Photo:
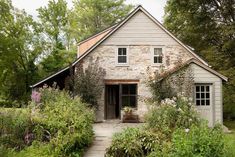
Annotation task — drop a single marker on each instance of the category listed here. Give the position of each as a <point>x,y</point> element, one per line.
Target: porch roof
<point>180,66</point>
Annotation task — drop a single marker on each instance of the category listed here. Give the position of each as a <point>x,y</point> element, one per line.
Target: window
<point>157,55</point>
<point>129,95</point>
<point>122,56</point>
<point>202,97</point>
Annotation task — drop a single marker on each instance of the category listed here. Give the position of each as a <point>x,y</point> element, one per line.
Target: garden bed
<point>56,126</point>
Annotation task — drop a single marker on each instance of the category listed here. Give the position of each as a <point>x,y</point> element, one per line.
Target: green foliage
<point>58,126</point>
<point>19,49</point>
<point>67,122</point>
<point>229,145</point>
<point>89,83</point>
<point>92,16</point>
<point>171,114</point>
<point>198,141</point>
<point>230,138</point>
<point>30,50</point>
<point>208,26</point>
<point>15,124</point>
<point>60,48</point>
<point>132,142</point>
<point>8,104</point>
<point>6,152</point>
<point>164,85</point>
<point>173,129</point>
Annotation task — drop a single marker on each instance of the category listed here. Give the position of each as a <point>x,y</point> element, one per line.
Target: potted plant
<point>128,111</point>
<point>129,116</point>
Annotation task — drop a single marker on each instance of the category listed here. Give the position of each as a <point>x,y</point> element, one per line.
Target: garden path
<point>103,136</point>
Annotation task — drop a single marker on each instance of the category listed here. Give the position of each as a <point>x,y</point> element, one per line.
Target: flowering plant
<point>36,96</point>
<point>170,114</point>
<point>127,110</point>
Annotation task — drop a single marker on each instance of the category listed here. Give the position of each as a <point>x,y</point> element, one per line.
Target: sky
<point>155,7</point>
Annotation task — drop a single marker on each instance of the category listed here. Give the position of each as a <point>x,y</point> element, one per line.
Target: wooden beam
<point>121,81</point>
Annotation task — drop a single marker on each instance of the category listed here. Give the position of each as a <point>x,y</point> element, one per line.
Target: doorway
<point>118,96</point>
<point>112,102</point>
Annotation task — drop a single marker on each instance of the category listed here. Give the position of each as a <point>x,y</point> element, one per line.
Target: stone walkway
<point>103,136</point>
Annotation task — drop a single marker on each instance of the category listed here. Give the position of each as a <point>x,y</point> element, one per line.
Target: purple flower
<point>36,96</point>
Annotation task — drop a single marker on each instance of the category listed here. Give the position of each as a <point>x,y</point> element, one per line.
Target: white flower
<point>179,109</point>
<point>190,99</point>
<point>190,120</point>
<point>187,130</point>
<point>179,95</point>
<point>184,98</point>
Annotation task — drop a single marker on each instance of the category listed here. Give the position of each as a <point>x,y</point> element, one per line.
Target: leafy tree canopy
<point>209,27</point>
<point>60,48</point>
<point>20,46</point>
<point>30,50</point>
<point>92,16</point>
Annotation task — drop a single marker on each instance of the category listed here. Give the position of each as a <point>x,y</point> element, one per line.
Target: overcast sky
<point>155,7</point>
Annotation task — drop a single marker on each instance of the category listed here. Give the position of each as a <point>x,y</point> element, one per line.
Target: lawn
<point>230,137</point>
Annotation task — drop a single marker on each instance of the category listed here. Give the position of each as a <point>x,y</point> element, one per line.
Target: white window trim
<point>152,55</point>
<point>127,56</point>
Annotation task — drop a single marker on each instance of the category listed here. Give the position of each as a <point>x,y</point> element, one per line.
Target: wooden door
<point>112,101</point>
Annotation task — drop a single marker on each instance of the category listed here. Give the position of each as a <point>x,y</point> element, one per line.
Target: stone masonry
<point>140,61</point>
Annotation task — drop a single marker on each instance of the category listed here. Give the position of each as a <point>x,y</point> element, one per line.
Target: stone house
<point>126,50</point>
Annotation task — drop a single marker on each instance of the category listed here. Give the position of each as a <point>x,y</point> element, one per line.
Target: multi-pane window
<point>157,55</point>
<point>202,97</point>
<point>122,55</point>
<point>129,95</point>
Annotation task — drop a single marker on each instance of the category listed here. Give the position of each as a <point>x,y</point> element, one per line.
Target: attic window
<point>157,55</point>
<point>122,56</point>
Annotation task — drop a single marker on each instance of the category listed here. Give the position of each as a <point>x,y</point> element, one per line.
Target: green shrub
<point>15,124</point>
<point>171,114</point>
<point>64,122</point>
<point>132,142</point>
<point>6,152</point>
<point>58,126</point>
<point>198,141</point>
<point>37,149</point>
<point>8,104</point>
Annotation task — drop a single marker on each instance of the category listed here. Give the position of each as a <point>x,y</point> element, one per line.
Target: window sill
<point>157,64</point>
<point>122,65</point>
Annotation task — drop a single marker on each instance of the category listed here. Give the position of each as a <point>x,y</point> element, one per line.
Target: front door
<point>112,102</point>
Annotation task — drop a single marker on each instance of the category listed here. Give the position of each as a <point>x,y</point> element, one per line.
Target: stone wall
<point>140,62</point>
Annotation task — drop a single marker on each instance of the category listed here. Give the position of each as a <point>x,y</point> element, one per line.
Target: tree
<point>55,23</point>
<point>209,27</point>
<point>92,16</point>
<point>20,46</point>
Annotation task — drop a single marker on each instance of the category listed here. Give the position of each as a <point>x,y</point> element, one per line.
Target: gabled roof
<point>139,8</point>
<point>95,35</point>
<point>180,66</point>
<point>113,29</point>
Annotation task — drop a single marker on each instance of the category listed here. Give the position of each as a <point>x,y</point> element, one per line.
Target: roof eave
<point>49,77</point>
<point>224,78</point>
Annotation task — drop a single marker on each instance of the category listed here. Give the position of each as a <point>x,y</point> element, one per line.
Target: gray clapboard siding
<point>140,30</point>
<point>203,76</point>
